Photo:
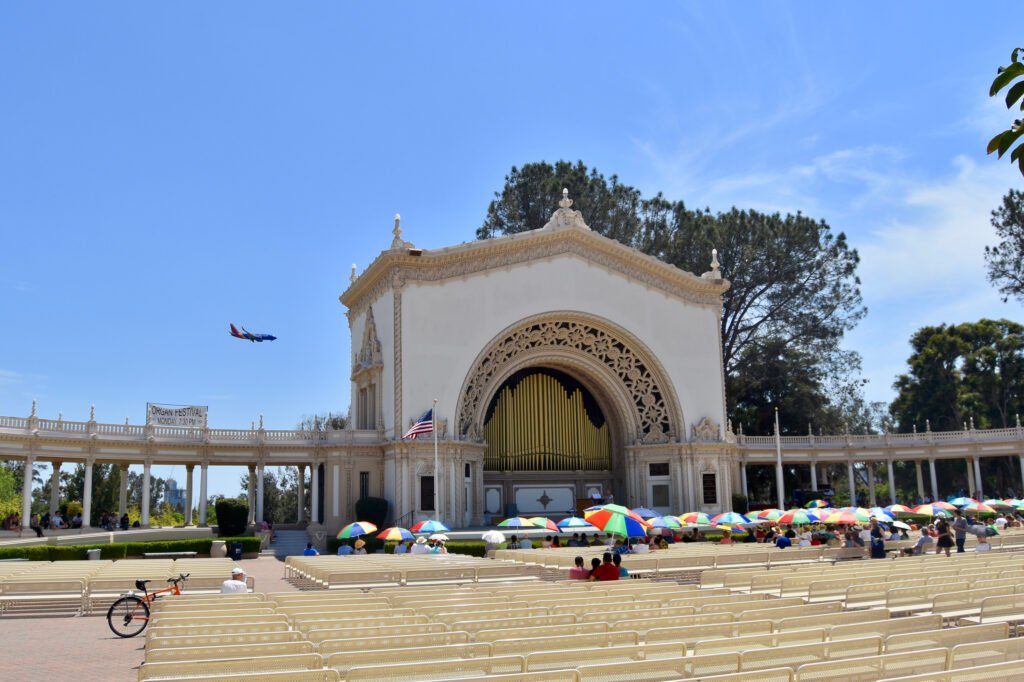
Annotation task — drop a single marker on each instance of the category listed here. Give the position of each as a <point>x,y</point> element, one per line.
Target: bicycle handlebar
<point>182,577</point>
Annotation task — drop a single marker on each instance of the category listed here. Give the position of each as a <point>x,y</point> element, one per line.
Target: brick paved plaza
<point>84,649</point>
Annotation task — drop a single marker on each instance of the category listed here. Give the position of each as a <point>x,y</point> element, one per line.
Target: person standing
<point>877,540</point>
<point>945,537</point>
<point>960,529</point>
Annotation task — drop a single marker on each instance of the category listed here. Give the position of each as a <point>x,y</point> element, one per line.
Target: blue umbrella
<point>646,513</point>
<point>573,522</point>
<point>730,518</point>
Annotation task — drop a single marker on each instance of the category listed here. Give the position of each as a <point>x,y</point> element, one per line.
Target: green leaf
<point>1009,73</point>
<point>1015,93</point>
<point>1016,153</point>
<point>993,144</point>
<point>1008,138</point>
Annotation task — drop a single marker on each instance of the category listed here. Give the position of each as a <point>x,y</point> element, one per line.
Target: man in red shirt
<point>607,570</point>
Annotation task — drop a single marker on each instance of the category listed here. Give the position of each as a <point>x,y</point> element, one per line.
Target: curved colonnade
<point>58,441</point>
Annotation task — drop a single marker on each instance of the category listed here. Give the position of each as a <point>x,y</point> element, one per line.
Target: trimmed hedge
<point>120,550</point>
<point>232,517</point>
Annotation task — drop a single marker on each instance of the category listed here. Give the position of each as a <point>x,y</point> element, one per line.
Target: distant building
<point>173,495</point>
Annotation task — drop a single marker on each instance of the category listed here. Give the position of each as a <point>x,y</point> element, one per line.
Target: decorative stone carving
<point>398,242</point>
<point>564,217</point>
<point>369,354</point>
<point>705,431</point>
<point>646,394</point>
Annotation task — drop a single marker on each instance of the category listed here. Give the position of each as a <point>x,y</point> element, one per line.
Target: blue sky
<point>165,170</point>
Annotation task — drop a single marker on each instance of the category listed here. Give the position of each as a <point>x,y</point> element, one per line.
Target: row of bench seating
<point>375,570</point>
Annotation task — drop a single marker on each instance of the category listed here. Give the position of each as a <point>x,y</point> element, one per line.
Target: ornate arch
<point>618,358</point>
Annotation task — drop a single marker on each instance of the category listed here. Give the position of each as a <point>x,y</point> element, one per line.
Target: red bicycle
<point>129,615</point>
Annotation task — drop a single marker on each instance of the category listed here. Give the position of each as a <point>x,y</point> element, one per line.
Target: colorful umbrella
<point>430,526</point>
<point>962,501</point>
<point>660,522</point>
<point>895,509</point>
<point>997,504</point>
<point>816,504</point>
<point>543,522</point>
<point>1013,502</point>
<point>769,514</point>
<point>900,524</point>
<point>517,522</point>
<point>843,518</point>
<point>881,514</point>
<point>573,522</point>
<point>931,509</point>
<point>645,513</point>
<point>730,518</point>
<point>355,529</point>
<point>698,518</point>
<point>942,504</point>
<point>616,522</point>
<point>797,517</point>
<point>439,536</point>
<point>614,509</point>
<point>395,534</point>
<point>978,507</point>
<point>672,521</point>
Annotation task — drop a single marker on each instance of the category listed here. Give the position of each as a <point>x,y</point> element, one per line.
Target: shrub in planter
<point>372,509</point>
<point>232,517</point>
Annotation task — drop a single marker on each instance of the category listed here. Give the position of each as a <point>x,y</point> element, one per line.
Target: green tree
<point>1012,77</point>
<point>1005,261</point>
<point>794,281</point>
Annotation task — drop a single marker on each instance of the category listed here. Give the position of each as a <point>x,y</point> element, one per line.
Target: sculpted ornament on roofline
<point>705,431</point>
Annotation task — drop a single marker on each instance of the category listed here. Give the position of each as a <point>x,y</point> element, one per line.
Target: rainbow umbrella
<point>645,513</point>
<point>730,518</point>
<point>978,507</point>
<point>672,521</point>
<point>430,526</point>
<point>614,509</point>
<point>962,501</point>
<point>395,534</point>
<point>942,504</point>
<point>573,522</point>
<point>732,528</point>
<point>1013,502</point>
<point>895,509</point>
<point>663,522</point>
<point>769,514</point>
<point>930,509</point>
<point>355,529</point>
<point>797,517</point>
<point>543,522</point>
<point>843,518</point>
<point>997,504</point>
<point>816,504</point>
<point>616,522</point>
<point>695,518</point>
<point>517,522</point>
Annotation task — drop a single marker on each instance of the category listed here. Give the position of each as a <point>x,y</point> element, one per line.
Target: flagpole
<point>437,466</point>
<point>778,463</point>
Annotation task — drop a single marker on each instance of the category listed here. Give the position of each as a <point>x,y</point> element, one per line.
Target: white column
<point>259,493</point>
<point>780,485</point>
<point>920,479</point>
<point>743,479</point>
<point>202,494</point>
<point>26,493</point>
<point>970,477</point>
<point>814,476</point>
<point>189,468</point>
<point>55,487</point>
<point>301,494</point>
<point>852,483</point>
<point>1021,458</point>
<point>250,495</point>
<point>892,482</point>
<point>871,483</point>
<point>87,495</point>
<point>146,481</point>
<point>122,493</point>
<point>977,478</point>
<point>314,493</point>
<point>934,479</point>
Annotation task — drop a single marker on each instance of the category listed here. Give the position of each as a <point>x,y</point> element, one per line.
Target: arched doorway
<point>539,364</point>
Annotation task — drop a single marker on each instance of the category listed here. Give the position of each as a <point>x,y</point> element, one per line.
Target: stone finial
<point>92,413</point>
<point>60,416</point>
<point>965,426</point>
<point>914,426</point>
<point>1017,416</point>
<point>928,425</point>
<point>972,423</point>
<point>126,421</point>
<point>741,428</point>
<point>715,272</point>
<point>565,201</point>
<point>252,426</point>
<point>261,422</point>
<point>352,275</point>
<point>810,429</point>
<point>34,409</point>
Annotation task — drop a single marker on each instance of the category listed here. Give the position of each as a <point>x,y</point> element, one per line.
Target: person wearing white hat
<point>420,547</point>
<point>236,585</point>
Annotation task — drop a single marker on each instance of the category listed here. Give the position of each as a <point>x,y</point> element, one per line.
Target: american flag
<point>424,425</point>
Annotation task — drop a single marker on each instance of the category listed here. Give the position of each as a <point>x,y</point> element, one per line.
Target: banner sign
<point>189,416</point>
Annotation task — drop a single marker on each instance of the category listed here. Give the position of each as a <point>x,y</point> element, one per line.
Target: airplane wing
<point>249,335</point>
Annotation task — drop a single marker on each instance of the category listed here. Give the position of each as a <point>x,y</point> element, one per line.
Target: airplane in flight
<point>249,336</point>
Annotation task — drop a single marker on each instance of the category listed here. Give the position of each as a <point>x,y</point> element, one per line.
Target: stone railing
<point>883,439</point>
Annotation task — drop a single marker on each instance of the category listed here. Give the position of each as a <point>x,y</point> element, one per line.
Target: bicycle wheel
<point>128,616</point>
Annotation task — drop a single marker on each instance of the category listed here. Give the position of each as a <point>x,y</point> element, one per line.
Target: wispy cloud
<point>8,377</point>
<point>23,287</point>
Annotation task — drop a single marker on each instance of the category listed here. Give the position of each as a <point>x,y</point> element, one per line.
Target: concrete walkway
<point>85,649</point>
